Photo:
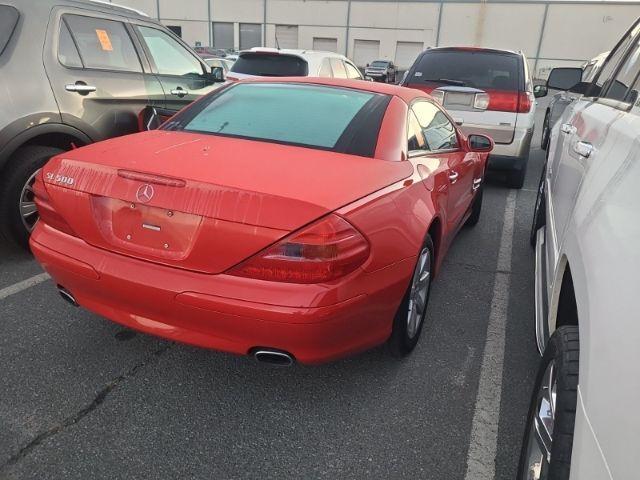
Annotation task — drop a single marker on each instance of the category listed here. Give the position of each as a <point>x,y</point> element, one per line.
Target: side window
<point>439,133</point>
<point>415,140</point>
<point>338,68</point>
<point>608,69</point>
<point>619,87</point>
<point>352,72</point>
<point>67,52</point>
<point>325,69</point>
<point>169,56</point>
<point>103,44</point>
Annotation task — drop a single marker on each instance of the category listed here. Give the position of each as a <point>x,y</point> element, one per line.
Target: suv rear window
<point>328,118</point>
<point>271,65</point>
<point>8,21</point>
<point>468,68</point>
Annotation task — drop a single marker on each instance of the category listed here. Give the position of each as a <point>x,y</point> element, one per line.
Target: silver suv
<point>487,91</point>
<point>77,72</point>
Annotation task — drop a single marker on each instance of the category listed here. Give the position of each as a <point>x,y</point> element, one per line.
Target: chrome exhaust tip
<point>273,357</point>
<point>66,294</point>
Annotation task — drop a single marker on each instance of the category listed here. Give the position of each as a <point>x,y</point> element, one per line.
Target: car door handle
<point>179,92</point>
<point>567,128</point>
<point>80,88</point>
<point>453,177</point>
<point>583,149</point>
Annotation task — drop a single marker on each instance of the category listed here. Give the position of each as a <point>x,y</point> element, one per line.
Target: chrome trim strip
<point>540,293</point>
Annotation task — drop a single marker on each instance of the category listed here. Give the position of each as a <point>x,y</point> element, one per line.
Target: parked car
<point>83,71</point>
<point>273,62</point>
<point>223,63</point>
<point>487,91</point>
<point>165,232</point>
<point>210,52</point>
<point>381,71</point>
<point>582,422</point>
<point>564,97</point>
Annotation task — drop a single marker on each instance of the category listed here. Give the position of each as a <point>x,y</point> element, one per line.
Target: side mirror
<point>218,74</point>
<point>479,143</point>
<point>540,91</point>
<point>564,78</point>
<point>367,64</point>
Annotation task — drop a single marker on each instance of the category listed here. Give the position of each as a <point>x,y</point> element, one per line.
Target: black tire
<point>539,212</point>
<point>516,177</point>
<point>23,164</point>
<point>546,130</point>
<point>564,350</point>
<point>400,343</point>
<point>476,208</point>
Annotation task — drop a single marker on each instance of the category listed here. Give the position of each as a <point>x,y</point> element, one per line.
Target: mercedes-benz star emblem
<point>145,193</point>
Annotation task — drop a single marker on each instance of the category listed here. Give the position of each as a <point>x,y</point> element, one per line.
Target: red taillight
<point>46,211</point>
<point>321,252</point>
<point>509,101</point>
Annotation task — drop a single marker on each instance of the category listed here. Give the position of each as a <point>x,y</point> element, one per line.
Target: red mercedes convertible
<point>288,219</point>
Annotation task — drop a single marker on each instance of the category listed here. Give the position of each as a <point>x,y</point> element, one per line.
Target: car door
<point>184,77</point>
<point>98,78</point>
<point>582,134</point>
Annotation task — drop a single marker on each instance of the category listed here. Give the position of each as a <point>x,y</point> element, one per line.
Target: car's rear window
<point>271,65</point>
<point>379,64</point>
<point>468,68</point>
<point>8,21</point>
<point>317,116</point>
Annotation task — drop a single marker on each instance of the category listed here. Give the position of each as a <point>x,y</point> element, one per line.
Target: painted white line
<point>23,285</point>
<point>484,429</point>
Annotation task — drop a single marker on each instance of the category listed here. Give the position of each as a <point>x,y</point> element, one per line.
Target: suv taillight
<point>321,252</point>
<point>509,101</point>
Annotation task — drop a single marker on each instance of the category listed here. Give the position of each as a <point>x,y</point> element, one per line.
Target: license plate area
<point>144,229</point>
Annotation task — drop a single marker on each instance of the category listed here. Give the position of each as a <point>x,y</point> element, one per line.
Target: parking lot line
<point>484,429</point>
<point>23,285</point>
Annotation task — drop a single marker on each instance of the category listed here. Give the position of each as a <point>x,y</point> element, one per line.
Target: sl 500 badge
<point>60,179</point>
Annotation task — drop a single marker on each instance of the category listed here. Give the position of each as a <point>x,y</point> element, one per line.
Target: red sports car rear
<point>284,218</point>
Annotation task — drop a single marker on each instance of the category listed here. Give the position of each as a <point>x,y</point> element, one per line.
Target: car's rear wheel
<point>548,441</point>
<point>407,324</point>
<point>18,213</point>
<point>539,212</point>
<point>476,208</point>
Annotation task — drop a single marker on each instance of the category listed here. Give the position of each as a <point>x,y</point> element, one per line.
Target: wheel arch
<point>435,232</point>
<point>563,309</point>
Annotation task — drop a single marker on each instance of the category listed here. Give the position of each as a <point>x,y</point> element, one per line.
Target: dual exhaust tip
<point>268,356</point>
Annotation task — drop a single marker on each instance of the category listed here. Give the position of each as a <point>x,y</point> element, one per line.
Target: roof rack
<point>115,5</point>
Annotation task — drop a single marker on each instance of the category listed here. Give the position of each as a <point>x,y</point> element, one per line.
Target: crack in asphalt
<point>83,412</point>
<point>477,268</point>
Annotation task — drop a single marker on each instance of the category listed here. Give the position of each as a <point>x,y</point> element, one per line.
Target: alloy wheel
<point>27,204</point>
<point>540,437</point>
<point>419,292</point>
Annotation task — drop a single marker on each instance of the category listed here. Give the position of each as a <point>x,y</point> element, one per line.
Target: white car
<point>583,422</point>
<point>273,62</point>
<point>486,91</point>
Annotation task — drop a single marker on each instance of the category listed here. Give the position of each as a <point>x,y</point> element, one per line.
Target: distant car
<point>583,421</point>
<point>563,98</point>
<point>381,71</point>
<point>272,62</point>
<point>212,51</point>
<point>284,219</point>
<point>80,72</point>
<point>487,91</point>
<point>224,63</point>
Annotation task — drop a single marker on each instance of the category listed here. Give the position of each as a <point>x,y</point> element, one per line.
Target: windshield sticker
<point>418,74</point>
<point>105,41</point>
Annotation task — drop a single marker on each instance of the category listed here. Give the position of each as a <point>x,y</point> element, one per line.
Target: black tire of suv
<point>539,212</point>
<point>399,343</point>
<point>476,208</point>
<point>24,162</point>
<point>564,349</point>
<point>516,178</point>
<point>544,141</point>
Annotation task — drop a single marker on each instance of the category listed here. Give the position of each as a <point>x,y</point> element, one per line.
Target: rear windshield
<point>271,65</point>
<point>8,21</point>
<point>323,117</point>
<point>476,69</point>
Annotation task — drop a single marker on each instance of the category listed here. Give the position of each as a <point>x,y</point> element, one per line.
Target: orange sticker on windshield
<point>105,41</point>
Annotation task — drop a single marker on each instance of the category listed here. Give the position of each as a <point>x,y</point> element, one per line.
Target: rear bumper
<point>223,312</point>
<point>519,146</point>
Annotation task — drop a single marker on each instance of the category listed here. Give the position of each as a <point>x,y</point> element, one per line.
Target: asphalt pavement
<point>81,397</point>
